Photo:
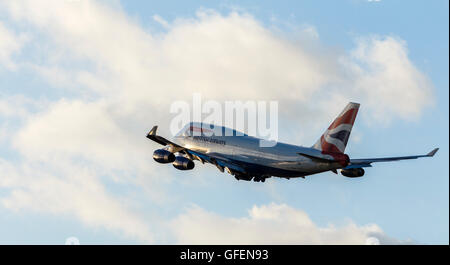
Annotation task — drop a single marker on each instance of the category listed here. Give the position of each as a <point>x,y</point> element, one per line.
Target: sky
<point>82,82</point>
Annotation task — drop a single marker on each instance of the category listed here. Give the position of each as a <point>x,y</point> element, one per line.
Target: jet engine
<point>163,156</point>
<point>353,172</point>
<point>183,163</point>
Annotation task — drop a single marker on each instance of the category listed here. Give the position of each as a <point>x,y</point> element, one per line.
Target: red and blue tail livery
<point>335,138</point>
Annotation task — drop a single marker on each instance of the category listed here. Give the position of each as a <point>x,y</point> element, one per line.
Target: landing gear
<point>243,177</point>
<point>260,178</point>
<point>248,178</point>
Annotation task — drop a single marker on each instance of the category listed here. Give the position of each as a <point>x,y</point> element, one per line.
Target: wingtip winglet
<point>153,130</point>
<point>434,151</point>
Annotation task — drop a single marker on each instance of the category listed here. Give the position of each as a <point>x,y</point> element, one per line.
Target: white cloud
<point>70,190</point>
<point>18,105</point>
<point>311,31</point>
<point>270,224</point>
<point>75,128</point>
<point>390,81</point>
<point>124,78</point>
<point>220,56</point>
<point>10,43</point>
<point>161,21</point>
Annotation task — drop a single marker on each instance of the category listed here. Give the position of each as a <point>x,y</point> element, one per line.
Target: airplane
<point>242,156</point>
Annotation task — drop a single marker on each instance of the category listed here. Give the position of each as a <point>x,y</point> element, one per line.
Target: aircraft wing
<point>366,162</point>
<point>161,140</point>
<point>218,160</point>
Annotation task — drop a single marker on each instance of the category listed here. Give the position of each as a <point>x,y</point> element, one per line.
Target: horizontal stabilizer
<point>433,152</point>
<point>365,161</point>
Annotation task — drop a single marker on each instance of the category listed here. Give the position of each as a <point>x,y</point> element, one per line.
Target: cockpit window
<point>187,132</point>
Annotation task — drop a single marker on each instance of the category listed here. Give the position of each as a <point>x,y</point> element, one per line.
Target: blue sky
<point>79,90</point>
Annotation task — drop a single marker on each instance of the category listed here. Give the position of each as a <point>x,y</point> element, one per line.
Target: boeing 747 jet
<point>242,156</point>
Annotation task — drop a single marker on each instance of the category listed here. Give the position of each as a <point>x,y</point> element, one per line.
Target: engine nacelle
<point>353,172</point>
<point>183,163</point>
<point>163,156</point>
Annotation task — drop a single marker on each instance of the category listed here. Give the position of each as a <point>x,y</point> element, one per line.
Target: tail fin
<point>335,138</point>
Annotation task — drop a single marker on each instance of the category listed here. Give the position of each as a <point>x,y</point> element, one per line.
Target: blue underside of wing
<point>358,165</point>
<point>249,168</point>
